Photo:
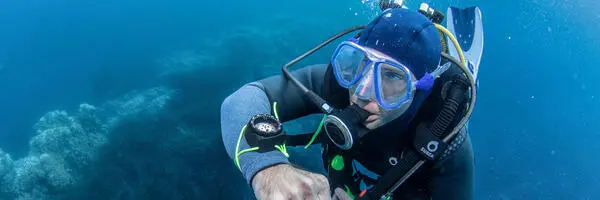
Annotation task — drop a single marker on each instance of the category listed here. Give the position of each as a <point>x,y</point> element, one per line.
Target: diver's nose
<point>365,89</point>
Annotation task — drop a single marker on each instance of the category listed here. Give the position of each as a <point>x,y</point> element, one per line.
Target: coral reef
<point>63,135</point>
<point>66,145</point>
<point>133,104</point>
<point>38,177</point>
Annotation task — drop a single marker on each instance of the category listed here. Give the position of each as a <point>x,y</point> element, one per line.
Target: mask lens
<point>348,64</point>
<point>393,84</point>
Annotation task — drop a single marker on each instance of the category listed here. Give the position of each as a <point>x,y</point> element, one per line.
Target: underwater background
<point>121,99</point>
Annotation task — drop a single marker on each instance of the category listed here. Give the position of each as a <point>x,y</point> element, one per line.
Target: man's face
<point>391,85</point>
<point>365,97</point>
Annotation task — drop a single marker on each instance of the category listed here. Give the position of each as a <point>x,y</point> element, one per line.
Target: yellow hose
<point>454,41</point>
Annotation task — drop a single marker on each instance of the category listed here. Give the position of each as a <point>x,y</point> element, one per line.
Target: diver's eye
<point>393,76</point>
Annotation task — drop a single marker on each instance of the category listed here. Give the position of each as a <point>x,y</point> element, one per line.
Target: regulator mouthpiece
<point>344,127</point>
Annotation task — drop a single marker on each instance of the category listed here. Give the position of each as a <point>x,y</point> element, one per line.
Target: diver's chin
<point>372,125</point>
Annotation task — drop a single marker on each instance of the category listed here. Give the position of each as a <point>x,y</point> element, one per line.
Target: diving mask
<point>372,75</point>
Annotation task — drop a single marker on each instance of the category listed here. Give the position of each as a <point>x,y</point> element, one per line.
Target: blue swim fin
<point>466,25</point>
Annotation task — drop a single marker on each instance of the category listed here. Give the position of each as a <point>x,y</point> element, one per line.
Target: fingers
<point>286,182</point>
<point>312,186</point>
<point>335,195</point>
<point>321,187</point>
<point>340,194</point>
<point>305,190</point>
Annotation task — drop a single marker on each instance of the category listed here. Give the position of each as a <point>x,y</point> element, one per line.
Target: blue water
<point>534,128</point>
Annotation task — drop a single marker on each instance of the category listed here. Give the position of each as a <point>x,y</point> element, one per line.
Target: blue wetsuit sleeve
<point>256,98</point>
<point>453,179</point>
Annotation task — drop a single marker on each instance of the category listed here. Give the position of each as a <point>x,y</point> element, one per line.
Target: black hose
<point>314,98</point>
<point>456,95</point>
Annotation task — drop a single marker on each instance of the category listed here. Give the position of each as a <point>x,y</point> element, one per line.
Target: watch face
<point>265,128</point>
<point>266,125</point>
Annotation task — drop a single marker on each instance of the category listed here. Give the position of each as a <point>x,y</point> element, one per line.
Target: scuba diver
<point>396,98</point>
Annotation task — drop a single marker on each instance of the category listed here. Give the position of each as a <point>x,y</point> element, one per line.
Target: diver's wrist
<point>264,173</point>
<point>253,162</point>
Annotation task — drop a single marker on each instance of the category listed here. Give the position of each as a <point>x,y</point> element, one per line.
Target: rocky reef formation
<point>65,145</point>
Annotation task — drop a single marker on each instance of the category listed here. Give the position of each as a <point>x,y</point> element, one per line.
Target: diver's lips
<point>372,118</point>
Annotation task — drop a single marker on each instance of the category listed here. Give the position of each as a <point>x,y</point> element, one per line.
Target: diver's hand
<point>286,182</point>
<point>340,194</point>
